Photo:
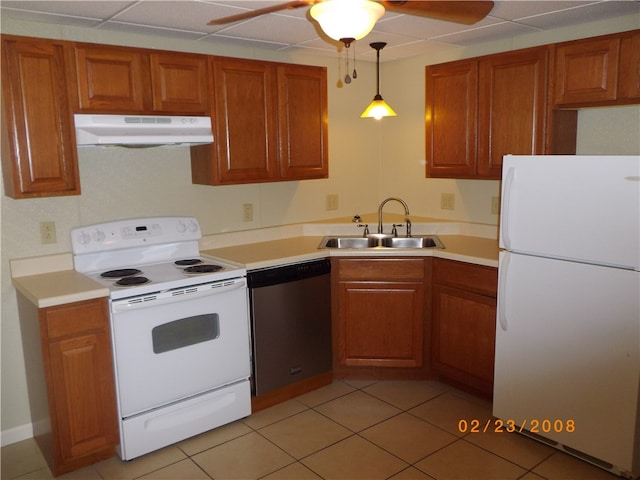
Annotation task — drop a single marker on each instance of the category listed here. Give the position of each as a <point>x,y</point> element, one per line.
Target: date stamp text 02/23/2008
<point>497,425</point>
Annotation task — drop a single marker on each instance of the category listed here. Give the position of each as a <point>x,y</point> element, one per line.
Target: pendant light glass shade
<point>347,18</point>
<point>378,108</point>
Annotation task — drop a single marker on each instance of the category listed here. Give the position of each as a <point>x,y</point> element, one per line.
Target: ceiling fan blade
<point>458,11</point>
<point>261,11</point>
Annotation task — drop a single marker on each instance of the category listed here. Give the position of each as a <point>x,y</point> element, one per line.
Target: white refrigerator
<point>567,360</point>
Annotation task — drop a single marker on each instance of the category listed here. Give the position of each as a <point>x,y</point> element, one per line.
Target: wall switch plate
<point>447,201</point>
<point>247,212</point>
<point>48,232</point>
<point>495,205</point>
<point>332,201</point>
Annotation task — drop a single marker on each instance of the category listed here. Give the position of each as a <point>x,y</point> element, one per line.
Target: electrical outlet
<point>48,232</point>
<point>495,205</point>
<point>332,201</point>
<point>447,201</point>
<point>247,212</point>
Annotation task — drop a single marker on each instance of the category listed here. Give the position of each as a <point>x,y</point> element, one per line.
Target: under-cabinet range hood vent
<point>141,130</point>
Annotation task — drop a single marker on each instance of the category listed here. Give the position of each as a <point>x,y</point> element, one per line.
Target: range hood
<point>141,130</point>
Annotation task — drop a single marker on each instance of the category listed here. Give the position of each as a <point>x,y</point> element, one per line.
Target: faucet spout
<point>383,203</point>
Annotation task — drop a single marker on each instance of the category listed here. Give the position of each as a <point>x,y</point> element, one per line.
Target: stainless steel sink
<point>423,241</point>
<point>430,241</point>
<point>349,242</point>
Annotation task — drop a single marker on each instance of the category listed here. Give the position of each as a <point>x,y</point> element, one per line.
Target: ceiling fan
<point>457,11</point>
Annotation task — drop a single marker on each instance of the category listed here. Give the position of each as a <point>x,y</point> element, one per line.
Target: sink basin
<point>426,241</point>
<point>349,242</point>
<point>430,241</point>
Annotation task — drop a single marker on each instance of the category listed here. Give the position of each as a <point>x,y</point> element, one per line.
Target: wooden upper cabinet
<point>302,110</point>
<point>38,140</point>
<point>512,107</point>
<point>111,79</point>
<point>479,110</point>
<point>270,123</point>
<point>629,72</point>
<point>179,82</point>
<point>130,80</point>
<point>586,71</point>
<point>246,121</point>
<point>451,119</point>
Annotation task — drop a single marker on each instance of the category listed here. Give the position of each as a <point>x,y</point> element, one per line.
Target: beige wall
<point>369,160</point>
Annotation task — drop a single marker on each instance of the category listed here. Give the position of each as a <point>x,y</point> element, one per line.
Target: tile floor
<point>346,430</point>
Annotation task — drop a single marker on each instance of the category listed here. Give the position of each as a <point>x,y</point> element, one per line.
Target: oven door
<point>179,343</point>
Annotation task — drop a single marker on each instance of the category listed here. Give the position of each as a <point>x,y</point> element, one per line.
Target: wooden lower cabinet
<point>463,323</point>
<point>78,368</point>
<point>379,316</point>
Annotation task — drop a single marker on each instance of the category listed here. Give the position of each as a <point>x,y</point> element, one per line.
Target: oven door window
<point>185,332</point>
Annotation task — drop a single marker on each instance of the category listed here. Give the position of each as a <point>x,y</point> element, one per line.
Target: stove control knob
<point>84,238</point>
<point>181,227</point>
<point>99,235</point>
<point>193,227</point>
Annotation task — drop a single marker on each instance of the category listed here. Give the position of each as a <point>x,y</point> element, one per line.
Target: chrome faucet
<point>382,204</point>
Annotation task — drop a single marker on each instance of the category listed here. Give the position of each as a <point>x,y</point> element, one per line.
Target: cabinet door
<point>78,362</point>
<point>629,73</point>
<point>302,110</point>
<point>179,83</point>
<point>451,119</point>
<point>382,324</point>
<point>38,140</point>
<point>586,71</point>
<point>511,113</point>
<point>111,79</point>
<point>463,336</point>
<point>246,121</point>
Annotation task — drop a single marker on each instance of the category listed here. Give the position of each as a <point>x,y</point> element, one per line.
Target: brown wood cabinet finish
<point>629,74</point>
<point>451,119</point>
<point>463,323</point>
<point>78,367</point>
<point>38,141</point>
<point>380,306</point>
<point>586,71</point>
<point>481,109</point>
<point>136,81</point>
<point>271,124</point>
<point>111,79</point>
<point>302,110</point>
<point>512,107</point>
<point>180,83</point>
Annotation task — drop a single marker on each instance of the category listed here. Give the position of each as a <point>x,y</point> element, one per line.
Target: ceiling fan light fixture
<point>347,18</point>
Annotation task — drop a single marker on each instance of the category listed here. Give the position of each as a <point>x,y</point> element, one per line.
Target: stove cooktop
<point>143,279</point>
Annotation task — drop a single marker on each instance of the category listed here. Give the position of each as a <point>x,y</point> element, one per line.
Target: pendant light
<point>378,108</point>
<point>347,19</point>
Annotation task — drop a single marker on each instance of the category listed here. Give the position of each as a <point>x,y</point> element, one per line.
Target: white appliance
<point>567,365</point>
<point>179,327</point>
<point>141,130</point>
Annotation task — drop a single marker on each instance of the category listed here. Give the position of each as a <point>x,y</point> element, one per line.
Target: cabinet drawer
<point>478,278</point>
<point>381,269</point>
<point>75,318</point>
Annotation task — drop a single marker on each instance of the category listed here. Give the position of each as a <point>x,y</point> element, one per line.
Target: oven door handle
<point>177,295</point>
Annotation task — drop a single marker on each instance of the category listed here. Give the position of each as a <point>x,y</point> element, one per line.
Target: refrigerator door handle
<point>506,208</point>
<point>502,314</point>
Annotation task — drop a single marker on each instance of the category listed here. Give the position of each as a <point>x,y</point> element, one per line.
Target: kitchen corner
<point>465,242</point>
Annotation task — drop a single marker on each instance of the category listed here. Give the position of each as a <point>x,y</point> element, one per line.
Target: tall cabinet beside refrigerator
<point>567,362</point>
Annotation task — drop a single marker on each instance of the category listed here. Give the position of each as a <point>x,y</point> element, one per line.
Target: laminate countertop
<point>477,250</point>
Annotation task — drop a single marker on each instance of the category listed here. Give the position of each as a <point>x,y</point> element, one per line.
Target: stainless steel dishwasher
<point>291,323</point>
